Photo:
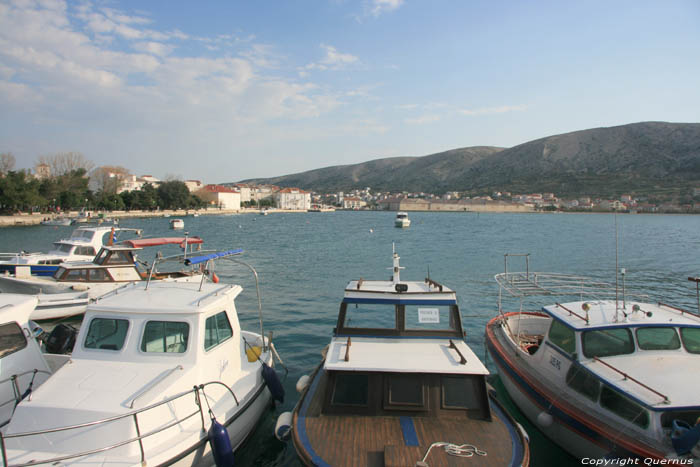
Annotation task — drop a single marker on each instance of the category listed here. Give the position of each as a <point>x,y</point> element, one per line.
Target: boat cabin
<point>111,264</point>
<point>397,349</point>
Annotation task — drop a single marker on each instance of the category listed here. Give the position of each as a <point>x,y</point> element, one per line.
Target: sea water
<point>304,261</point>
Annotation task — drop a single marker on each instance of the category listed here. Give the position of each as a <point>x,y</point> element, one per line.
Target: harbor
<point>305,261</point>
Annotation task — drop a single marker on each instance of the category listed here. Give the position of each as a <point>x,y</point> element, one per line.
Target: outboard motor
<point>61,339</point>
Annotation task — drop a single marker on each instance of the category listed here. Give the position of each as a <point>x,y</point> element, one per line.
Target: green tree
<point>19,191</point>
<point>173,195</point>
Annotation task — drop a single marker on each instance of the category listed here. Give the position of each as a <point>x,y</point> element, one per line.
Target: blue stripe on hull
<point>35,269</point>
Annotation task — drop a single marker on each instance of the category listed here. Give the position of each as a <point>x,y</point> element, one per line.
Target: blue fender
<point>220,445</point>
<point>273,382</point>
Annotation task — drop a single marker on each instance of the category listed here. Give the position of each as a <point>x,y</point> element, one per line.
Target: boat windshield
<point>607,342</point>
<point>370,316</point>
<point>11,339</point>
<point>106,334</point>
<point>83,234</point>
<point>691,339</point>
<point>63,247</point>
<point>653,338</point>
<point>429,317</point>
<point>165,337</point>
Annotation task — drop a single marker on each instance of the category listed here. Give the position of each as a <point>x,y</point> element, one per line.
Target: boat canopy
<point>145,242</point>
<point>221,254</point>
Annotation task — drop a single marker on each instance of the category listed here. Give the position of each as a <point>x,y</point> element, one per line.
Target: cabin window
<point>691,339</point>
<point>459,392</point>
<point>562,336</point>
<point>165,337</point>
<point>429,317</point>
<point>99,275</point>
<point>85,251</point>
<point>658,339</point>
<point>59,273</point>
<point>350,389</point>
<point>63,247</point>
<point>11,339</point>
<point>583,382</point>
<point>217,329</point>
<point>76,275</point>
<point>120,257</point>
<point>404,391</point>
<point>624,407</point>
<point>607,342</point>
<point>370,316</point>
<point>101,256</point>
<point>106,334</point>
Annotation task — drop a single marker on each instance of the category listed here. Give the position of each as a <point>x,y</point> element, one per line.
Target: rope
<point>461,450</point>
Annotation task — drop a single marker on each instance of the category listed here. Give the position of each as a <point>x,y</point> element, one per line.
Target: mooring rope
<point>459,450</point>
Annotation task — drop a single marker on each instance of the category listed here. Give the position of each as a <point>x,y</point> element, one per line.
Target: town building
<point>221,197</point>
<point>292,199</point>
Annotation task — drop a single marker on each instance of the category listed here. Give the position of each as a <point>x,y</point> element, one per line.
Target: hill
<point>649,158</point>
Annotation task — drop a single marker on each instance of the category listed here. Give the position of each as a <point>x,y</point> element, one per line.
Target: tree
<point>19,191</point>
<point>108,178</point>
<point>66,162</point>
<point>173,194</point>
<point>7,162</point>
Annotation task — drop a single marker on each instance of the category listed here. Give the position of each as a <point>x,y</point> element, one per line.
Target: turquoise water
<point>305,261</point>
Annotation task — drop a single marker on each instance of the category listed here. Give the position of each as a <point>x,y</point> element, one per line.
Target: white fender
<point>283,427</point>
<point>544,419</point>
<point>302,383</point>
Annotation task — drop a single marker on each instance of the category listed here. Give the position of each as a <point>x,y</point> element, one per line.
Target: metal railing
<point>132,414</point>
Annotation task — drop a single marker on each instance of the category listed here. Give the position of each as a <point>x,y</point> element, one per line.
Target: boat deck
<point>377,441</point>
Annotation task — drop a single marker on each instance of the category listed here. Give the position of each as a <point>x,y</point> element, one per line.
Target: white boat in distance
<point>602,375</point>
<point>402,220</point>
<point>57,221</point>
<point>82,245</point>
<point>177,224</point>
<point>154,366</point>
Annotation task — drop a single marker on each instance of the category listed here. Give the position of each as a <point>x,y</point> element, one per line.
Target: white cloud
<point>422,120</point>
<point>333,60</point>
<point>492,110</point>
<point>154,48</point>
<point>383,6</point>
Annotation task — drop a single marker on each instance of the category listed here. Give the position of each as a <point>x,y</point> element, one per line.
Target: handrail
<point>573,312</point>
<point>681,310</point>
<point>154,384</point>
<point>22,374</point>
<point>626,376</point>
<point>462,360</point>
<point>195,390</point>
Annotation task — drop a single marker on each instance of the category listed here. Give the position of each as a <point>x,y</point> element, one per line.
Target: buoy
<point>544,419</point>
<point>214,278</point>
<point>283,427</point>
<point>220,445</point>
<point>253,353</point>
<point>302,383</point>
<point>273,382</point>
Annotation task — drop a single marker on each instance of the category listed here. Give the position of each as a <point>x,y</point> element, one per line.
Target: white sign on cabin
<point>428,315</point>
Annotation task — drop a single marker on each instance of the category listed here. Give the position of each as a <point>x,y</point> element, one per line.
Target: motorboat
<point>177,224</point>
<point>402,220</point>
<point>75,284</point>
<point>398,385</point>
<point>57,221</point>
<point>602,373</point>
<point>161,374</point>
<point>82,245</point>
<point>22,365</point>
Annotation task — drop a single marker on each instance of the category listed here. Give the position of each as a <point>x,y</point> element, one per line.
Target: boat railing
<point>153,384</point>
<point>196,390</point>
<point>17,394</point>
<point>665,398</point>
<point>679,310</point>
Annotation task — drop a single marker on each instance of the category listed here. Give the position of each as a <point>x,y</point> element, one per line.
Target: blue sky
<point>227,90</point>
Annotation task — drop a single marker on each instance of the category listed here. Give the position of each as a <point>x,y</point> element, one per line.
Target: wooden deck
<point>379,441</point>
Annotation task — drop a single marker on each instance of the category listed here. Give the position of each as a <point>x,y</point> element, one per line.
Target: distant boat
<point>263,212</point>
<point>402,220</point>
<point>57,221</point>
<point>398,385</point>
<point>177,224</point>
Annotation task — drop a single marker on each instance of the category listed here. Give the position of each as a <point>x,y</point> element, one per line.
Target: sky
<point>222,91</point>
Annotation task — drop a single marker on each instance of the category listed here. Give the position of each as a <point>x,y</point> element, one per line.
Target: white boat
<point>398,385</point>
<point>57,221</point>
<point>177,224</point>
<point>82,245</point>
<point>402,220</point>
<point>22,365</point>
<point>600,373</point>
<point>153,369</point>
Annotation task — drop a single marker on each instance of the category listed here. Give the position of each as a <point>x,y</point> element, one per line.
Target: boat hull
<point>581,436</point>
<point>34,269</point>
